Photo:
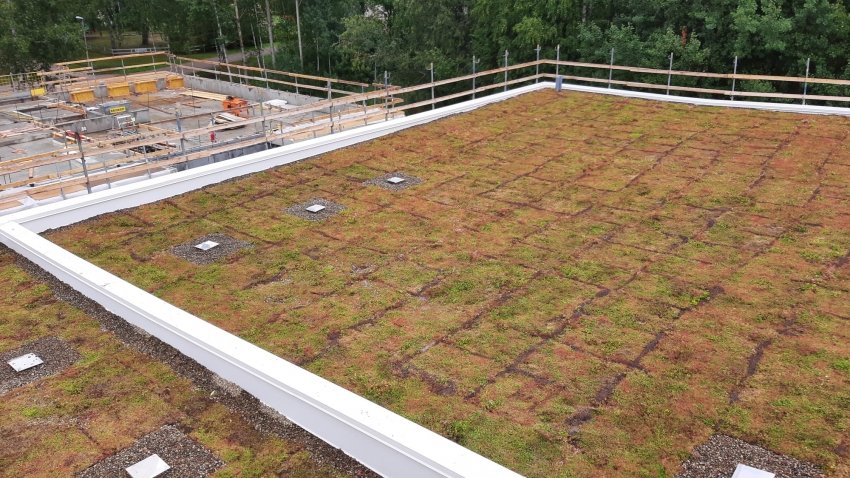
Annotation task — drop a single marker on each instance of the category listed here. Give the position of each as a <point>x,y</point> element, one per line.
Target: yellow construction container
<point>120,89</point>
<point>37,92</point>
<point>145,86</point>
<point>174,82</point>
<point>81,96</point>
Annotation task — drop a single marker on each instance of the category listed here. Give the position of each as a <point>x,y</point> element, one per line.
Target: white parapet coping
<point>383,441</point>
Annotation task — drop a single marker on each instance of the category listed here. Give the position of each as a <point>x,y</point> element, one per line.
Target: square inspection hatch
<point>315,208</point>
<point>25,362</point>
<point>396,181</point>
<point>206,245</point>
<point>744,471</point>
<point>149,467</point>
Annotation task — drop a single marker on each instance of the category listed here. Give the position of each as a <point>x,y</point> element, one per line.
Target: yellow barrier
<point>174,82</point>
<point>81,96</point>
<point>145,86</point>
<point>121,89</point>
<point>37,92</point>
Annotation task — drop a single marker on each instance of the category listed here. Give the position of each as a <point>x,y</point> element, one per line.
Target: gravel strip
<point>185,457</point>
<point>263,418</point>
<point>381,181</point>
<point>300,210</point>
<point>718,457</point>
<point>55,352</point>
<point>226,246</point>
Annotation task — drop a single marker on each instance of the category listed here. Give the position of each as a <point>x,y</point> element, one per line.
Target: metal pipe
<point>537,66</point>
<point>432,85</point>
<point>557,58</point>
<point>806,84</point>
<point>82,156</point>
<point>387,96</point>
<point>611,69</point>
<point>506,71</point>
<point>734,73</point>
<point>474,62</point>
<point>669,72</point>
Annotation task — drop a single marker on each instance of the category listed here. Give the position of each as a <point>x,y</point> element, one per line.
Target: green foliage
<point>359,40</point>
<point>36,33</point>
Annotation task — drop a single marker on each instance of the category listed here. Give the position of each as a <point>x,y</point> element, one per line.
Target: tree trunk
<point>271,35</point>
<point>220,36</point>
<point>298,23</point>
<point>239,30</point>
<point>145,35</point>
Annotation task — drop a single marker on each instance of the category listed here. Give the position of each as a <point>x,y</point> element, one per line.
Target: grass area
<point>583,286</point>
<point>64,423</point>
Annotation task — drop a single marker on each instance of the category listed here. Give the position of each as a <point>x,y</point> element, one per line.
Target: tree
<point>34,34</point>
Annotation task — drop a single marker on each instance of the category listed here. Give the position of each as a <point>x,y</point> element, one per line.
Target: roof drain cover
<point>25,362</point>
<point>315,208</point>
<point>149,467</point>
<point>744,471</point>
<point>206,245</point>
<point>396,180</point>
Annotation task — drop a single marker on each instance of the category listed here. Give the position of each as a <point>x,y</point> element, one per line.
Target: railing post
<point>474,62</point>
<point>153,60</point>
<point>734,74</point>
<point>82,156</point>
<point>669,73</point>
<point>123,70</point>
<point>387,96</point>
<point>806,84</point>
<point>557,58</point>
<point>506,70</point>
<point>263,113</point>
<point>611,69</point>
<point>296,84</point>
<point>331,109</point>
<point>431,68</point>
<point>180,130</point>
<point>537,66</point>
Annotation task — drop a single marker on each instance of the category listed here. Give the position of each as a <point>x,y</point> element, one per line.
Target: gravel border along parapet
<point>55,352</point>
<point>185,457</point>
<point>720,454</point>
<point>381,181</point>
<point>263,418</point>
<point>300,210</point>
<point>226,246</point>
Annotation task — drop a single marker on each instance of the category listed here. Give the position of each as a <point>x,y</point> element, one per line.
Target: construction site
<point>78,129</point>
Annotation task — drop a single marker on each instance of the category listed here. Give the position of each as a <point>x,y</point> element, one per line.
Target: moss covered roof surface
<point>582,285</point>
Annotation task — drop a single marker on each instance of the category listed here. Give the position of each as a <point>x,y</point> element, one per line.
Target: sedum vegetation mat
<point>583,285</point>
<point>87,412</point>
